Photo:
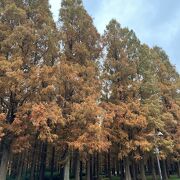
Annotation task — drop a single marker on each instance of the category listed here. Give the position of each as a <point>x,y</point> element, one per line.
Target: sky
<point>155,22</point>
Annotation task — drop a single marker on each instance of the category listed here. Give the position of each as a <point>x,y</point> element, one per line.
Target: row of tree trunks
<point>35,162</point>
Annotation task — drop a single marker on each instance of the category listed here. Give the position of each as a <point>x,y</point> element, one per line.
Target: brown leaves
<point>93,140</point>
<point>88,127</point>
<point>44,118</point>
<point>20,144</point>
<point>2,119</point>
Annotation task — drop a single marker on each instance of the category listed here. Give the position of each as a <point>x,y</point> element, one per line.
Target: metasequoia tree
<point>27,54</point>
<point>80,42</point>
<point>168,80</point>
<point>123,81</point>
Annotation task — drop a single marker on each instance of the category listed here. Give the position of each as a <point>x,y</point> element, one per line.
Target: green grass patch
<point>47,175</point>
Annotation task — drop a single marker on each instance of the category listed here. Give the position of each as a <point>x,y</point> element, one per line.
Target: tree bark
<point>61,173</point>
<point>20,170</point>
<point>164,170</point>
<point>77,166</point>
<point>4,162</point>
<point>81,170</point>
<point>178,169</point>
<point>88,170</point>
<point>52,162</point>
<point>117,167</point>
<point>122,175</point>
<point>168,167</point>
<point>105,164</point>
<point>154,177</point>
<point>142,170</point>
<point>94,166</point>
<point>43,161</point>
<point>67,168</point>
<point>32,171</point>
<point>127,169</point>
<point>113,166</point>
<point>134,173</point>
<point>97,166</point>
<point>109,164</point>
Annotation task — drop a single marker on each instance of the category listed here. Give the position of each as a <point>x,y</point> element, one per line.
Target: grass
<point>174,177</point>
<point>148,178</point>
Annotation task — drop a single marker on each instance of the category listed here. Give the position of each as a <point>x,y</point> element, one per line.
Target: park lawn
<point>174,177</point>
<point>148,178</point>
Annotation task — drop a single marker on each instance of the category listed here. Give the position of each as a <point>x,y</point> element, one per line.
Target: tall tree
<point>81,48</point>
<point>27,49</point>
<point>122,83</point>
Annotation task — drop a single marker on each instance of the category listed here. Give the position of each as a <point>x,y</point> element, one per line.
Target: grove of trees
<point>77,104</point>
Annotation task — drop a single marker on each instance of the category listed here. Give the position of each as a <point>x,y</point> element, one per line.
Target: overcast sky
<point>155,22</point>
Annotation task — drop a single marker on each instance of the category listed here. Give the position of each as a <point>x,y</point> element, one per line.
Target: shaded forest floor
<point>173,177</point>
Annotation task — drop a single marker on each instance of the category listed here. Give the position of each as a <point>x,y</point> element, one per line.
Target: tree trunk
<point>38,162</point>
<point>154,177</point>
<point>105,164</point>
<point>52,162</point>
<point>127,169</point>
<point>81,170</point>
<point>24,169</point>
<point>113,166</point>
<point>164,170</point>
<point>122,176</point>
<point>168,167</point>
<point>61,173</point>
<point>43,161</point>
<point>142,170</point>
<point>134,173</point>
<point>67,169</point>
<point>97,166</point>
<point>178,169</point>
<point>109,164</point>
<point>21,164</point>
<point>4,162</point>
<point>91,167</point>
<point>94,166</point>
<point>32,171</point>
<point>77,166</point>
<point>88,170</point>
<point>117,167</point>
